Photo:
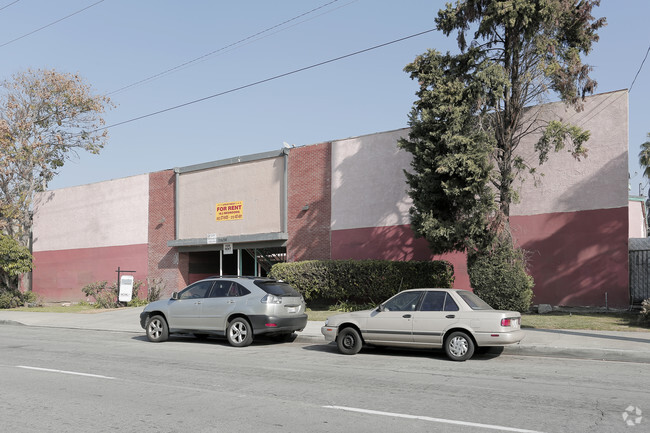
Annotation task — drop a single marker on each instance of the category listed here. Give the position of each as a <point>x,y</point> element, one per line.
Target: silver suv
<point>235,307</point>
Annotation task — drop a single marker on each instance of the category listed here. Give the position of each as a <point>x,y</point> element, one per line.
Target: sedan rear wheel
<point>240,332</point>
<point>157,329</point>
<point>349,341</point>
<point>459,346</point>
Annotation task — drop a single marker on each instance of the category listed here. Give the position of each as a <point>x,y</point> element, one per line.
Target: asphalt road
<point>68,380</point>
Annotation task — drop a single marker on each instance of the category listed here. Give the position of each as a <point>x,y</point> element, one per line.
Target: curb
<point>579,353</point>
<point>11,322</point>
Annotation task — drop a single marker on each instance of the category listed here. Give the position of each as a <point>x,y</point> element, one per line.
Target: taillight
<point>271,299</point>
<point>506,322</point>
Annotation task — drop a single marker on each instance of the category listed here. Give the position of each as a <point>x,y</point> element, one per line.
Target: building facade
<point>344,199</point>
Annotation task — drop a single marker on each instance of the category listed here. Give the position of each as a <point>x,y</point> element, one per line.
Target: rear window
<point>474,302</point>
<point>277,288</point>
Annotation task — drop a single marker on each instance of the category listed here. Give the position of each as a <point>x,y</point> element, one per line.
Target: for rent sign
<point>233,210</point>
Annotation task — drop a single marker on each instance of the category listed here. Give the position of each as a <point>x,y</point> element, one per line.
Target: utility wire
<point>640,67</point>
<point>50,24</point>
<point>219,50</point>
<point>295,71</point>
<point>12,3</point>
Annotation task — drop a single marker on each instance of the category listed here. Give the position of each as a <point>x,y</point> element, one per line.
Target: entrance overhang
<point>258,240</point>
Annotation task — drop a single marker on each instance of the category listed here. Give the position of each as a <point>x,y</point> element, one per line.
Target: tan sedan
<point>453,319</point>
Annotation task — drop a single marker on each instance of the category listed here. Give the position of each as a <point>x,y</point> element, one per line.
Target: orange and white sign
<point>232,210</point>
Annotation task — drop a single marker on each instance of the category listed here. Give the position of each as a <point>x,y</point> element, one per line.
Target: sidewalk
<point>608,346</point>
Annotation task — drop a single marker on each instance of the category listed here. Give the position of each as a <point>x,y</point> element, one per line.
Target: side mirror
<point>175,296</point>
<point>380,308</point>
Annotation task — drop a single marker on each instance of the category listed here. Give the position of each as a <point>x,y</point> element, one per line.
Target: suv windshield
<point>277,288</point>
<point>474,302</point>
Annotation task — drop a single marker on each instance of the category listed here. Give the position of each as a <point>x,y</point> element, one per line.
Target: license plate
<point>291,309</point>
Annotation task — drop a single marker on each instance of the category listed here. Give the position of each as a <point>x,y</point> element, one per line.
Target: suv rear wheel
<point>239,332</point>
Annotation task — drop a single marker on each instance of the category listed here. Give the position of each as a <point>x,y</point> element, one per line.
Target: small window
<point>196,291</point>
<point>450,304</point>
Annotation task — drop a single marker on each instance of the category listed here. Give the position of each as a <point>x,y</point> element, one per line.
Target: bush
<point>16,298</point>
<point>644,317</point>
<point>106,295</point>
<point>156,287</point>
<point>499,277</point>
<point>358,283</point>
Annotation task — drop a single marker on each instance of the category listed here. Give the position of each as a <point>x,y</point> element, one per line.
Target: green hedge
<point>499,277</point>
<point>361,282</point>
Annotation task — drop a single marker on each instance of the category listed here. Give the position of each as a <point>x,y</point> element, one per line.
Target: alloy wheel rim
<point>155,329</point>
<point>238,332</point>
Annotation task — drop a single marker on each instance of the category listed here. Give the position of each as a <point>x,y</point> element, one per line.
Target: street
<point>71,380</point>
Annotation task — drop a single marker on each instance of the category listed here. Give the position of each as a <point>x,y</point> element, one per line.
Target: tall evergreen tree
<point>471,116</point>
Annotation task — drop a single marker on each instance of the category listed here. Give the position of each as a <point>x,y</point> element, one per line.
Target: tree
<point>46,117</point>
<point>644,157</point>
<point>521,52</point>
<point>14,261</point>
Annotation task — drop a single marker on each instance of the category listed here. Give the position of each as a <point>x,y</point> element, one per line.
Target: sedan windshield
<point>474,302</point>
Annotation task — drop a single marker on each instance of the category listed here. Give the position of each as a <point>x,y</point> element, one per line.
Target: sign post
<point>127,280</point>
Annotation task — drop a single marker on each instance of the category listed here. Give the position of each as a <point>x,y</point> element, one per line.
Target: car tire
<point>349,341</point>
<point>239,332</point>
<point>459,346</point>
<point>157,329</point>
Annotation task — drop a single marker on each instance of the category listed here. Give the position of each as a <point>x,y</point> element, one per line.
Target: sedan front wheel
<point>349,341</point>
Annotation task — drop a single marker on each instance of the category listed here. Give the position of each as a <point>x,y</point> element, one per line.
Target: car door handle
<point>450,316</point>
<point>231,301</point>
<point>407,316</point>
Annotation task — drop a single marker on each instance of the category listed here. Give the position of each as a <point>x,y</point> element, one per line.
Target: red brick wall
<point>310,169</point>
<point>164,261</point>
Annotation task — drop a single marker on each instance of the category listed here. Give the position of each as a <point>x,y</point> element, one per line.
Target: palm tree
<point>644,157</point>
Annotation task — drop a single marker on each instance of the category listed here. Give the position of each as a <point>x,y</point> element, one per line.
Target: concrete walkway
<point>600,345</point>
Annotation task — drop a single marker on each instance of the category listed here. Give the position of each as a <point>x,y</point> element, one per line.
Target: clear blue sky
<point>119,42</point>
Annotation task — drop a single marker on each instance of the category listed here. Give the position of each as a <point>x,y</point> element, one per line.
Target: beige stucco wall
<point>258,184</point>
<point>105,214</point>
<point>598,181</point>
<point>369,187</point>
<point>636,218</point>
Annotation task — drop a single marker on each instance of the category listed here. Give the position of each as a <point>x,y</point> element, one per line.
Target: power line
<point>50,24</point>
<point>246,86</point>
<point>152,77</point>
<point>640,67</point>
<point>12,3</point>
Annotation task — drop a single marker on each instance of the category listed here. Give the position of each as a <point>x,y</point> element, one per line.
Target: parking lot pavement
<point>581,344</point>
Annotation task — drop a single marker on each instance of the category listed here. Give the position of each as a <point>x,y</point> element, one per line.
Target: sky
<point>197,49</point>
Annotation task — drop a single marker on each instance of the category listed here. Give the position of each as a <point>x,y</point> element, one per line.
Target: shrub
<point>106,296</point>
<point>16,298</point>
<point>644,316</point>
<point>156,287</point>
<point>499,277</point>
<point>358,283</point>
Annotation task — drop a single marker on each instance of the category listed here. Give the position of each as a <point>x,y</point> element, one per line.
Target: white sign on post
<point>227,248</point>
<point>126,288</point>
